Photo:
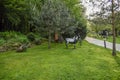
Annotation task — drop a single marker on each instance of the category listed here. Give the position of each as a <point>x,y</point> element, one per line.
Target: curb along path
<point>101,43</point>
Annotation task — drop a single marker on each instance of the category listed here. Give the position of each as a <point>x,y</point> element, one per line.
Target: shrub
<point>12,40</point>
<point>8,35</point>
<point>22,39</point>
<point>37,41</point>
<point>2,41</point>
<point>31,36</point>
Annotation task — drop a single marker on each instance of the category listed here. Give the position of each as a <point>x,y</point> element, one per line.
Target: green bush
<point>8,35</point>
<point>37,41</point>
<point>22,39</point>
<point>12,40</point>
<point>2,41</point>
<point>12,37</point>
<point>31,36</point>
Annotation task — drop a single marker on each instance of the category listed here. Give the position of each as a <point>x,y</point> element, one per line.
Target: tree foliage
<point>42,15</point>
<point>108,10</point>
<point>14,13</point>
<point>55,16</point>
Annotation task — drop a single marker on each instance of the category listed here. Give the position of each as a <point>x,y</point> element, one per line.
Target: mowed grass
<point>88,62</point>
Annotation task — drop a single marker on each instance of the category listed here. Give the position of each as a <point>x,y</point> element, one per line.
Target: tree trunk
<point>116,32</point>
<point>56,37</point>
<point>113,29</point>
<point>49,39</point>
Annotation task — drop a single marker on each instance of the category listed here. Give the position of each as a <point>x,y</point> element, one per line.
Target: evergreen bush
<point>31,36</point>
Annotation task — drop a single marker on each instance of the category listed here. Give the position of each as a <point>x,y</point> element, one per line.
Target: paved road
<point>101,43</point>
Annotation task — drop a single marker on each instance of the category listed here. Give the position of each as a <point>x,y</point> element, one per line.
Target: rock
<point>2,49</point>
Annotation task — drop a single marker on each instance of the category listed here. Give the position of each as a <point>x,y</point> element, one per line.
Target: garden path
<point>101,43</point>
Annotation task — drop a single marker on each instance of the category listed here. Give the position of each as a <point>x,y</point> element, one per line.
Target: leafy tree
<point>34,9</point>
<point>14,15</point>
<point>117,23</point>
<point>78,11</point>
<point>108,8</point>
<point>17,14</point>
<point>55,16</point>
<point>43,15</point>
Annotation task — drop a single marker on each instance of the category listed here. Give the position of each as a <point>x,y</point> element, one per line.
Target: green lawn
<point>88,62</point>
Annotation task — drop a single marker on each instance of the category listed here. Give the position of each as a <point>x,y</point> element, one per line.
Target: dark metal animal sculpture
<point>103,33</point>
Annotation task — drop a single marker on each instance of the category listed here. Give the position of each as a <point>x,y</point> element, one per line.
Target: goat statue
<point>73,40</point>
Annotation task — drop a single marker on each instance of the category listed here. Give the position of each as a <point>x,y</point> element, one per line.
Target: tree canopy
<point>42,15</point>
